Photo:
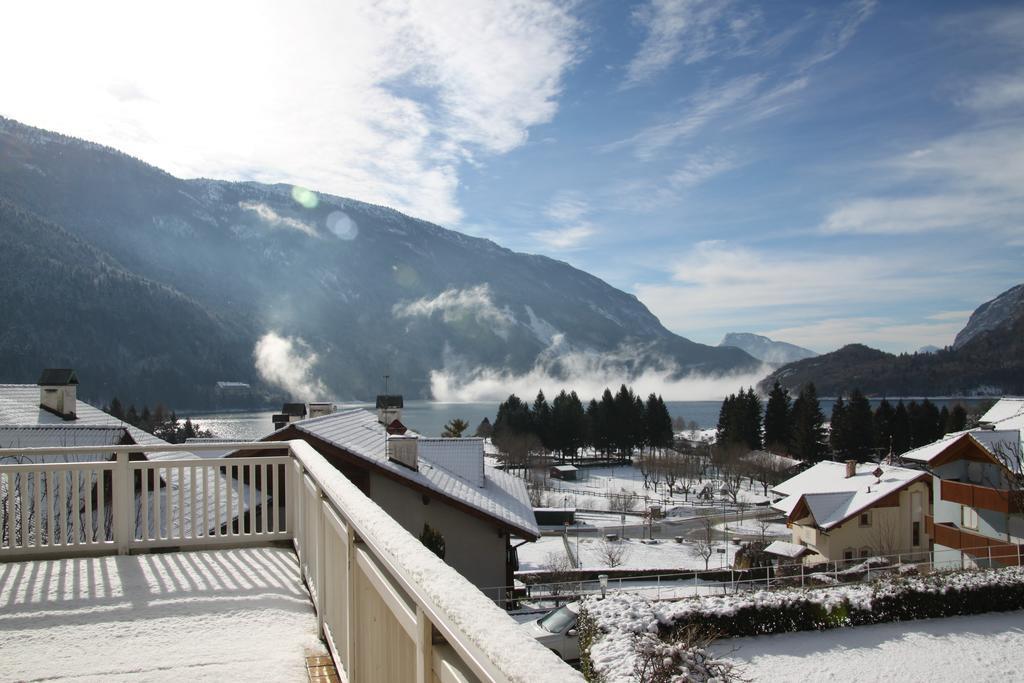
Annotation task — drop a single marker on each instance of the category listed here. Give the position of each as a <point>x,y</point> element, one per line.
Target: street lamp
<point>603,578</point>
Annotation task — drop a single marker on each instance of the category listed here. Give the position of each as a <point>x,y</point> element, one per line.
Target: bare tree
<point>742,505</point>
<point>885,534</point>
<point>1011,482</point>
<point>559,570</point>
<point>612,553</point>
<point>623,501</point>
<point>704,543</point>
<point>762,526</point>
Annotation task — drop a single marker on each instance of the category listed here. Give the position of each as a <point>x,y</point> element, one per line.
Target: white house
<point>844,511</point>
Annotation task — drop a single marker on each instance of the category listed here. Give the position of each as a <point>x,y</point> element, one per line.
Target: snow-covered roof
<point>781,461</point>
<point>42,436</point>
<point>564,468</point>
<point>832,497</point>
<point>998,442</point>
<point>786,549</point>
<point>357,431</point>
<point>1005,409</point>
<point>20,412</point>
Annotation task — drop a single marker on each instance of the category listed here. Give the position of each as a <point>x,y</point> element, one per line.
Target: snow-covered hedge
<point>620,619</point>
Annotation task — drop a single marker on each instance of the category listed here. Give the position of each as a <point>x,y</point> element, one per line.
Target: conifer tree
<point>859,428</point>
<point>838,437</point>
<point>778,425</point>
<point>900,429</point>
<point>882,424</point>
<point>808,426</point>
<point>541,416</point>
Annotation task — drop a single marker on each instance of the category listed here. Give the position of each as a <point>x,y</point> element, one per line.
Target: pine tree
<point>838,436</point>
<point>957,419</point>
<point>750,419</point>
<point>116,409</point>
<point>860,430</point>
<point>808,426</point>
<point>484,430</point>
<point>541,415</point>
<point>900,429</point>
<point>882,424</point>
<point>778,427</point>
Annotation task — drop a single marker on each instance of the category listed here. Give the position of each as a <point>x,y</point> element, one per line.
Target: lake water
<point>429,417</point>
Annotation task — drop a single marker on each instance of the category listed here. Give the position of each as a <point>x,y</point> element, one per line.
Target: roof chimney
<point>58,392</point>
<point>403,449</point>
<point>851,468</point>
<point>389,408</point>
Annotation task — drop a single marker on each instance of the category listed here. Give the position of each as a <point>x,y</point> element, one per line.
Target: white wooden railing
<point>388,608</point>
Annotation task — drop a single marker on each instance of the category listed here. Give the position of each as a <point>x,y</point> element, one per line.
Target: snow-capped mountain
<point>765,349</point>
<point>350,291</point>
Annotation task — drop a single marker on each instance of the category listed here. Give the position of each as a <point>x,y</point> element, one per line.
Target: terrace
<point>307,566</point>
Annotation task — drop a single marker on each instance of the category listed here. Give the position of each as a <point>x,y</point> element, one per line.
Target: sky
<point>819,172</point>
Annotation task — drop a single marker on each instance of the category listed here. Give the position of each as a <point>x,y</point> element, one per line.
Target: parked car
<point>557,631</point>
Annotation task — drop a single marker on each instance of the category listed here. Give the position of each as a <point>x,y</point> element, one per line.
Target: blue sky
<point>823,173</point>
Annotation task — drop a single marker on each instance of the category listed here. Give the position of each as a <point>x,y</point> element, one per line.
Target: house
<point>564,472</point>
<point>977,497</point>
<point>49,414</point>
<point>436,482</point>
<point>844,511</point>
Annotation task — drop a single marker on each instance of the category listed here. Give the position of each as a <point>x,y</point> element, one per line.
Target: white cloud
<point>975,178</point>
<point>272,218</point>
<point>720,287</point>
<point>703,108</point>
<point>380,101</point>
<point>570,210</point>
<point>455,304</point>
<point>841,30</point>
<point>289,363</point>
<point>586,372</point>
<point>996,92</point>
<point>701,167</point>
<point>564,238</point>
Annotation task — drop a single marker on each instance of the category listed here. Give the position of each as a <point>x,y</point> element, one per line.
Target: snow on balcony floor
<point>223,614</point>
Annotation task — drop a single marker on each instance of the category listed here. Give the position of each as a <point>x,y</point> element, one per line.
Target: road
<point>689,528</point>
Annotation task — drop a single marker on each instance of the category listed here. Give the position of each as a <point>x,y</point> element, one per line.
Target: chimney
<point>58,392</point>
<point>320,409</point>
<point>389,408</point>
<point>851,468</point>
<point>403,449</point>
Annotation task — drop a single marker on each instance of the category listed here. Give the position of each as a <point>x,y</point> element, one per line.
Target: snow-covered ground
<point>750,527</point>
<point>665,554</point>
<point>595,483</point>
<point>986,647</point>
<point>221,615</point>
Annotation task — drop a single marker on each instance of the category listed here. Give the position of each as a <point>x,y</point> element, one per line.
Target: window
<point>848,554</point>
<point>969,517</point>
<point>865,553</point>
<point>865,519</point>
<point>917,533</point>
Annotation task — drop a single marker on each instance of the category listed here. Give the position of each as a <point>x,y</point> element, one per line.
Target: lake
<point>429,417</point>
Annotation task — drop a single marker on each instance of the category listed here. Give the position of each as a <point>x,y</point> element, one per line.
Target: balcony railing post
<point>424,647</point>
<point>321,560</point>
<point>124,505</point>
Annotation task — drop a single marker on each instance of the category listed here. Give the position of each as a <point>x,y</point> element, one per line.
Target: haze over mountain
<point>765,349</point>
<point>196,281</point>
<point>987,359</point>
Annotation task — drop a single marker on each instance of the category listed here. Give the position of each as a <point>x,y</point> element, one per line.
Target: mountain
<point>329,293</point>
<point>928,348</point>
<point>989,362</point>
<point>998,312</point>
<point>765,349</point>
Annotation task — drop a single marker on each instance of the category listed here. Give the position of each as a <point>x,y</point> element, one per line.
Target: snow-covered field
<point>751,528</point>
<point>595,483</point>
<point>230,614</point>
<point>986,647</point>
<point>665,554</point>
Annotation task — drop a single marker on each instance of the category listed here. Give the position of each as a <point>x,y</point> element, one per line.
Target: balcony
<point>264,562</point>
<point>981,497</point>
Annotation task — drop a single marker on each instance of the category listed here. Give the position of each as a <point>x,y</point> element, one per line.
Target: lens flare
<point>305,197</point>
<point>342,226</point>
